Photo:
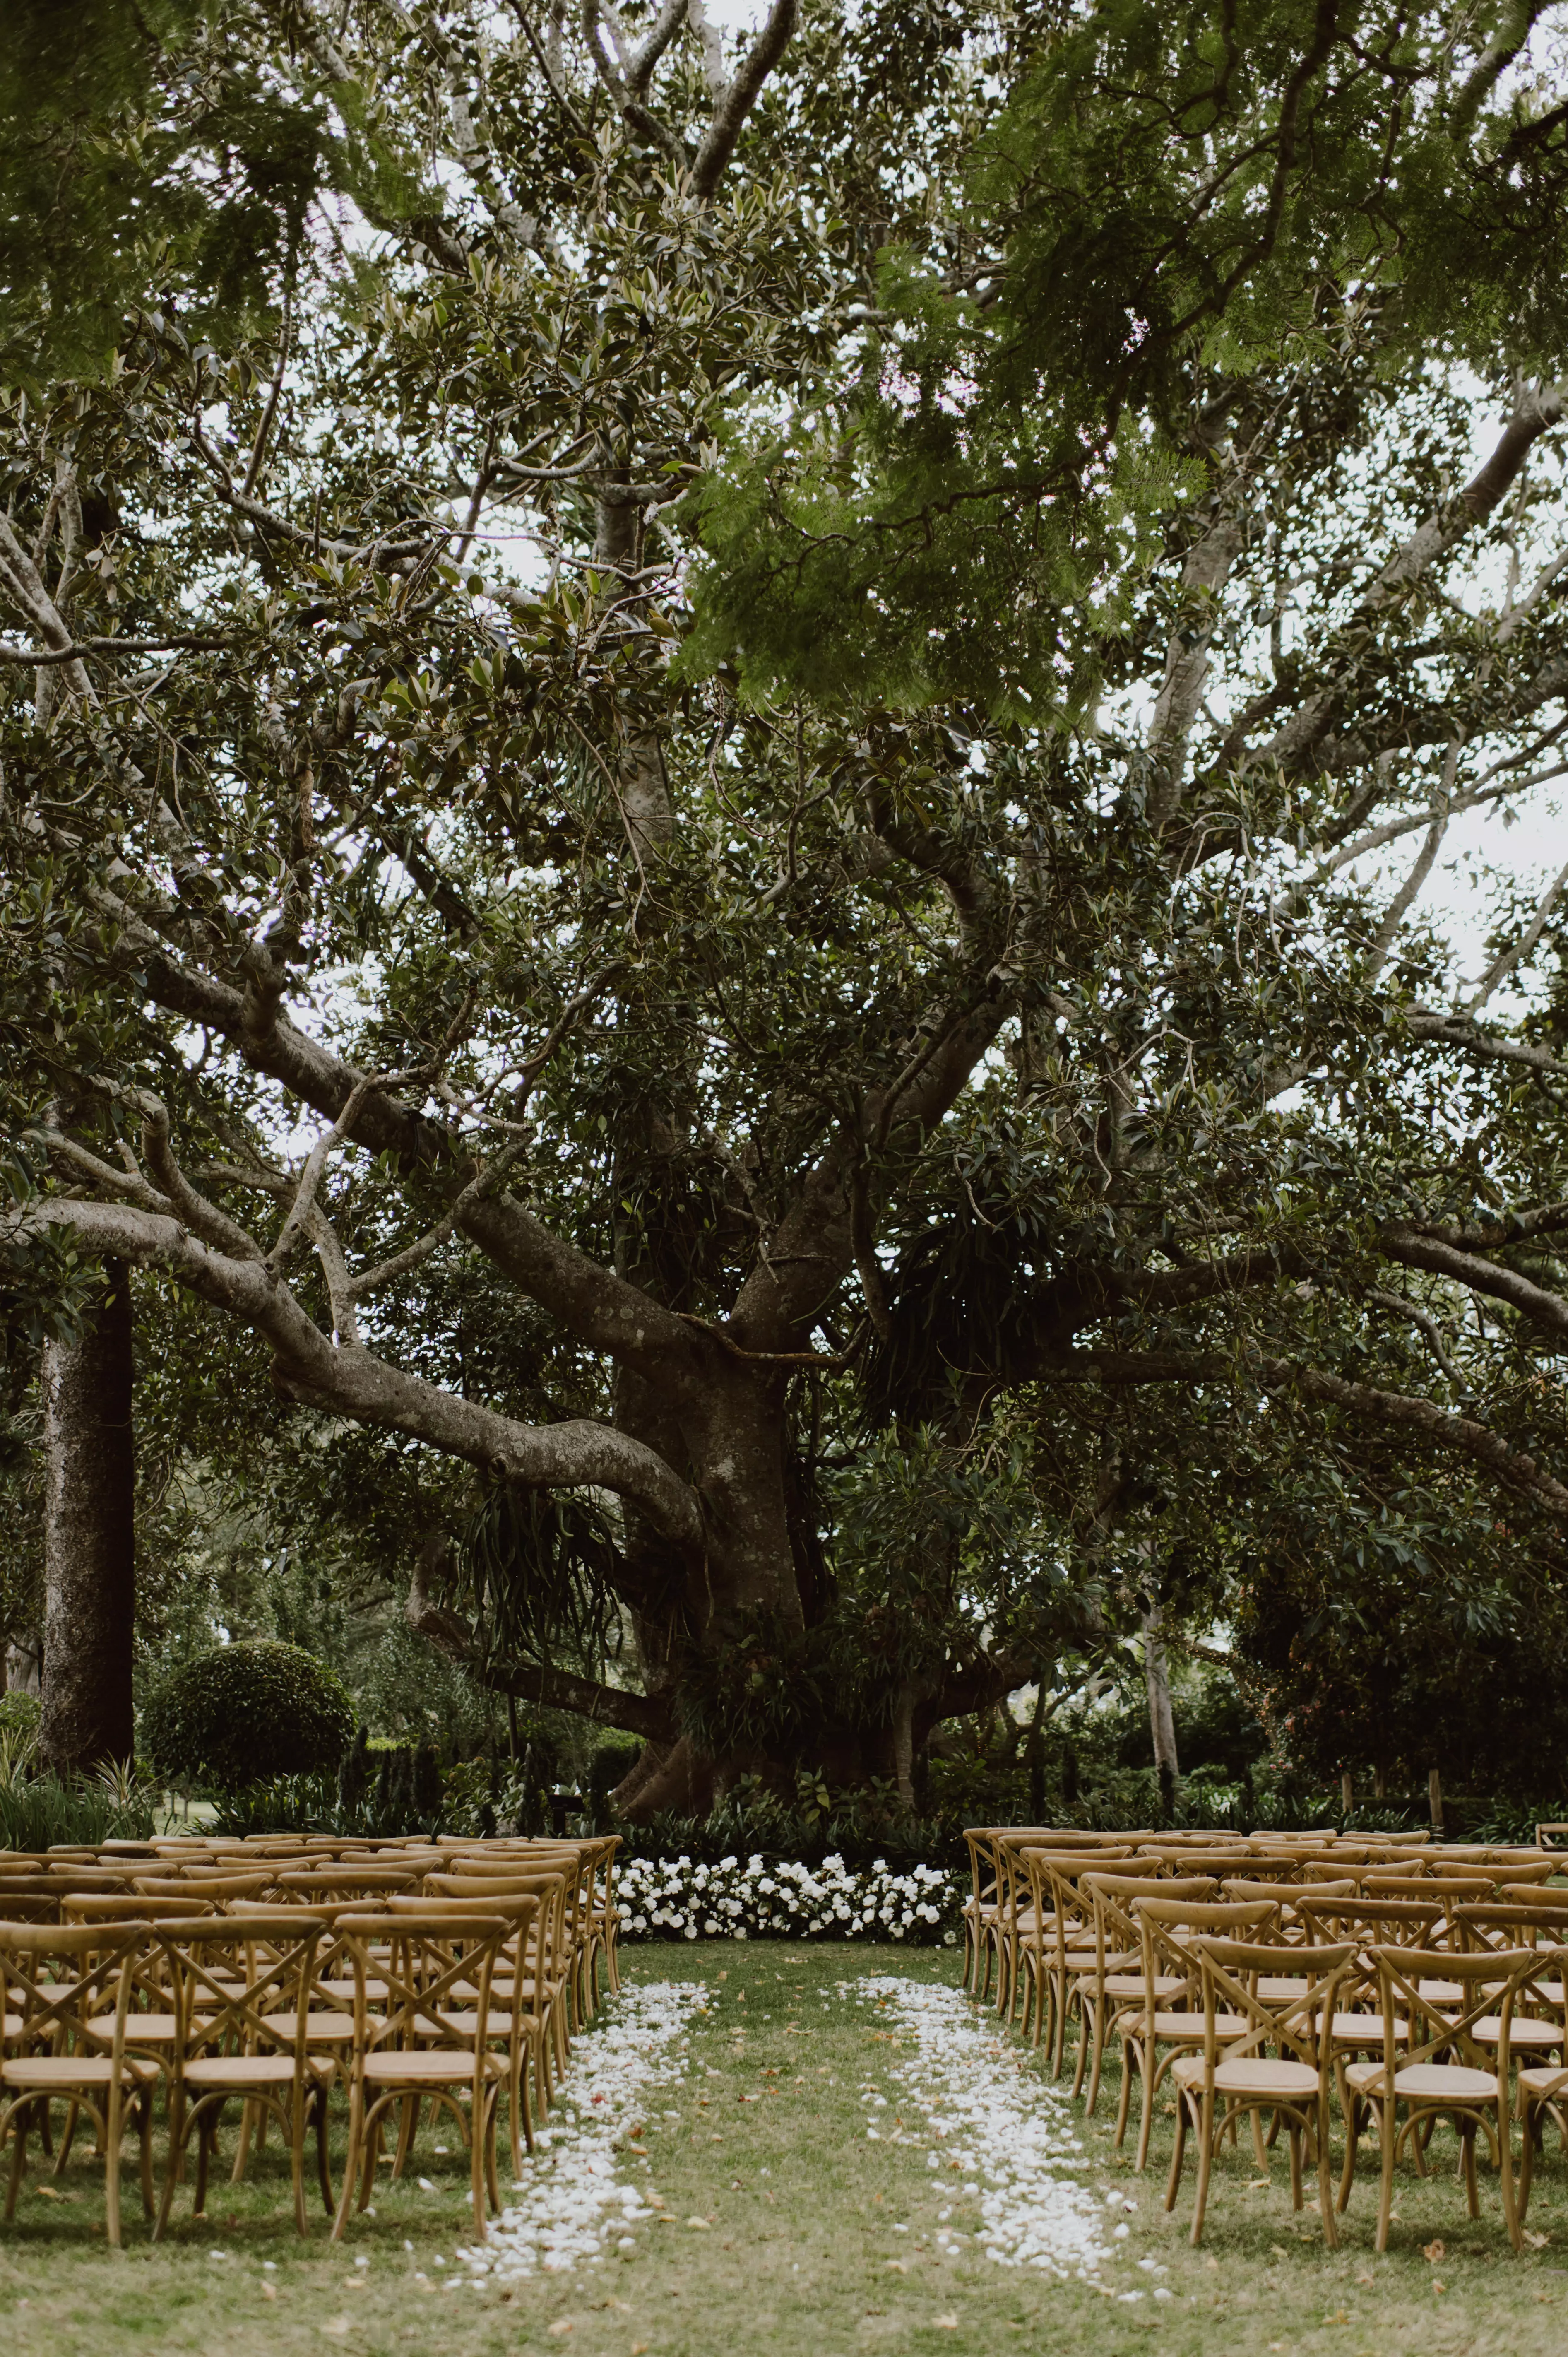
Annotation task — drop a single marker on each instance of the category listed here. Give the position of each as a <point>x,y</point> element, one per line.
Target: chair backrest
<point>1231,1971</point>
<point>1330,1920</point>
<point>1285,1895</point>
<point>214,1887</point>
<point>90,1906</point>
<point>1516,1869</point>
<point>1491,1981</point>
<point>435,1969</point>
<point>1456,1887</point>
<point>1532,1919</point>
<point>1115,1900</point>
<point>345,1880</point>
<point>60,1980</point>
<point>229,1973</point>
<point>1166,1927</point>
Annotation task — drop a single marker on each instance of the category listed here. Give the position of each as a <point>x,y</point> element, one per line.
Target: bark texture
<point>90,1563</point>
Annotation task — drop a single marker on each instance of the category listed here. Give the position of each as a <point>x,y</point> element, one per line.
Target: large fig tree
<point>715,706</point>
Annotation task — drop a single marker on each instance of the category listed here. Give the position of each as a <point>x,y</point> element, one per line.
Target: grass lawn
<point>796,2250</point>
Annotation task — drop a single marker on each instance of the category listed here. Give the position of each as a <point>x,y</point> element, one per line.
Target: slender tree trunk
<point>89,1539</point>
<point>1434,1800</point>
<point>1162,1720</point>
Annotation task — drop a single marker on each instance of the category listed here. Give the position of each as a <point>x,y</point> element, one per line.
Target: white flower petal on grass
<point>573,2205</point>
<point>1018,2135</point>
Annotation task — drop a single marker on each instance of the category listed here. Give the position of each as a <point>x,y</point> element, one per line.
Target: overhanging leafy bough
<point>855,958</point>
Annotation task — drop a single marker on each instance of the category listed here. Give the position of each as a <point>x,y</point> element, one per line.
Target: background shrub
<point>245,1714</point>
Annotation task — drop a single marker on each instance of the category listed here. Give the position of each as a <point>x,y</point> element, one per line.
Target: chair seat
<point>1278,1988</point>
<point>1084,1964</point>
<point>321,2028</point>
<point>1366,2029</point>
<point>1257,2075</point>
<point>1540,2037</point>
<point>1427,2083</point>
<point>210,2072</point>
<point>141,2028</point>
<point>1134,1984</point>
<point>428,2065</point>
<point>1227,2026</point>
<point>375,1991</point>
<point>68,2070</point>
<point>1544,2081</point>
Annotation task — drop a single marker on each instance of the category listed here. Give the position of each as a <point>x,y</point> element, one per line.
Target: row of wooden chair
<point>451,1974</point>
<point>1427,1983</point>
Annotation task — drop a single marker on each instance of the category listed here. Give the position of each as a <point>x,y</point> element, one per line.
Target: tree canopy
<point>719,753</point>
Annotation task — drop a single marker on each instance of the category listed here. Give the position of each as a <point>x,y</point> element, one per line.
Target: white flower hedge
<point>671,1898</point>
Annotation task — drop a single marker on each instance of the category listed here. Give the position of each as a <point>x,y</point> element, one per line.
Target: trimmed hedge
<point>244,1713</point>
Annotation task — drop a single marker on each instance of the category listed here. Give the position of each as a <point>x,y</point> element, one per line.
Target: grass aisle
<point>771,2224</point>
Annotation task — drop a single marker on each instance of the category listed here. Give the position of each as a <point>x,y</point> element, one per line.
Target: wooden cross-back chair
<point>1365,1924</point>
<point>431,2037</point>
<point>542,1968</point>
<point>231,1977</point>
<point>1113,1976</point>
<point>67,1991</point>
<point>1050,1933</point>
<point>517,2019</point>
<point>1020,1923</point>
<point>1538,2037</point>
<point>1237,2074</point>
<point>982,1910</point>
<point>1444,2072</point>
<point>1168,2018</point>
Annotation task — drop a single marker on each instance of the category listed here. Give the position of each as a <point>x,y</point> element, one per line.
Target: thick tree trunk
<point>89,1539</point>
<point>1162,1720</point>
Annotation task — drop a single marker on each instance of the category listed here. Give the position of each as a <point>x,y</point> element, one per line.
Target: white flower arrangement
<point>672,1899</point>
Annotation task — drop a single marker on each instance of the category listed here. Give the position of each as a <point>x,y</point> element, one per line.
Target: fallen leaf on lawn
<point>640,2150</point>
<point>899,2266</point>
<point>639,2349</point>
<point>269,2291</point>
<point>1437,2286</point>
<point>563,2325</point>
<point>701,2224</point>
<point>1432,2251</point>
<point>1536,2242</point>
<point>1366,2279</point>
<point>945,2323</point>
<point>336,2329</point>
<point>1338,2317</point>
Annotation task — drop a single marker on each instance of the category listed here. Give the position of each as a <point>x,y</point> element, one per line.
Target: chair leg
<point>323,2169</point>
<point>1174,2181</point>
<point>351,2163</point>
<point>477,2172</point>
<point>112,2126</point>
<point>178,2132</point>
<point>1511,2213</point>
<point>145,2134</point>
<point>1324,2164</point>
<point>1388,2134</point>
<point>1148,2065</point>
<point>1205,2158</point>
<point>1296,2196</point>
<point>20,2120</point>
<point>1125,2100</point>
<point>1468,2158</point>
<point>1529,2131</point>
<point>298,2112</point>
<point>1350,2112</point>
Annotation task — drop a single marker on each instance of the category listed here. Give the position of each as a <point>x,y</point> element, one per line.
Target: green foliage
<point>36,1813</point>
<point>244,1713</point>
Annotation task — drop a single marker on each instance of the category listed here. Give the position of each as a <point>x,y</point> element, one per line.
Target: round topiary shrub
<point>242,1713</point>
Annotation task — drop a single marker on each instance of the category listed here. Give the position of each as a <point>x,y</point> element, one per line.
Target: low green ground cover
<point>777,2234</point>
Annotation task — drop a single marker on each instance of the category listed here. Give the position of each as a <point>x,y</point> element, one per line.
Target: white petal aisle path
<point>573,2203</point>
<point>1004,2140</point>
